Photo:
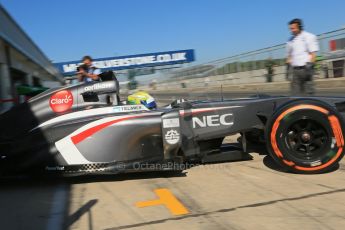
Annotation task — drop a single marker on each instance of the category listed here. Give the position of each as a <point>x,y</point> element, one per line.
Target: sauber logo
<point>172,137</point>
<point>213,120</point>
<point>61,101</point>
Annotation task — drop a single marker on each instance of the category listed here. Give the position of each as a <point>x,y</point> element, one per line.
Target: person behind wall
<point>87,72</point>
<point>270,69</point>
<point>301,55</point>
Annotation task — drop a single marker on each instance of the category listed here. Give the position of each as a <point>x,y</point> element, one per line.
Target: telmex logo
<point>128,108</point>
<point>134,107</point>
<point>213,120</point>
<point>61,101</point>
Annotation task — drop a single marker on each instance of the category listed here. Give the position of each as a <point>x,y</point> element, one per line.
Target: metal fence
<point>252,67</point>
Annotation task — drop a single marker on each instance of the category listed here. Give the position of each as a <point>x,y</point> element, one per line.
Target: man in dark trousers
<point>301,55</point>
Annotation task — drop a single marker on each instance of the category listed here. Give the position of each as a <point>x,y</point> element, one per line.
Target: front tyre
<point>306,136</point>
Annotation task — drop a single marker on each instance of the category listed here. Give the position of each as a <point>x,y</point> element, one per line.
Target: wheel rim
<point>307,139</point>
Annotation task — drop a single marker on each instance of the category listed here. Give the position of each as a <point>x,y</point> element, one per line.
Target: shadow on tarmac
<point>12,182</point>
<point>44,202</point>
<point>271,164</point>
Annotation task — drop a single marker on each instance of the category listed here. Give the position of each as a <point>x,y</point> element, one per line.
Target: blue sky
<point>68,29</point>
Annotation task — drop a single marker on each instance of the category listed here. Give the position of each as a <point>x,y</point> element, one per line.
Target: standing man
<point>270,69</point>
<point>87,72</point>
<point>301,55</point>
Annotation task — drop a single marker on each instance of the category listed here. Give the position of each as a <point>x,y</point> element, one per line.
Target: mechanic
<point>142,98</point>
<point>87,72</point>
<point>301,55</point>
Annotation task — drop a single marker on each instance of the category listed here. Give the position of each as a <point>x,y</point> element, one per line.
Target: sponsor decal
<point>61,101</point>
<point>334,141</point>
<point>171,123</point>
<point>129,108</point>
<point>172,137</point>
<point>315,163</point>
<point>55,168</point>
<point>213,120</point>
<point>99,86</point>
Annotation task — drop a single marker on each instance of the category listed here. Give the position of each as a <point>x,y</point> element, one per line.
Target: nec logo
<point>213,120</point>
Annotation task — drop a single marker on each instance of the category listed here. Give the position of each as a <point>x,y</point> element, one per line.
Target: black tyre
<point>306,136</point>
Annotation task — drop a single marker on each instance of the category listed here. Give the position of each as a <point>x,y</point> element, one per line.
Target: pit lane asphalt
<point>253,194</point>
<point>235,195</point>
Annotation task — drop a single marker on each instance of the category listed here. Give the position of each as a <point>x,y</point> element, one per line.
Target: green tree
<point>132,84</point>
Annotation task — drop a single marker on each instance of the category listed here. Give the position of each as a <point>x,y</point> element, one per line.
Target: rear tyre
<point>306,136</point>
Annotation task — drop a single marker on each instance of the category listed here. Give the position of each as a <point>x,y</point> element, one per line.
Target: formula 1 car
<point>86,129</point>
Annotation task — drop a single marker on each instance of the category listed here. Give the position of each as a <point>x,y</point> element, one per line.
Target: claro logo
<point>213,120</point>
<point>61,101</point>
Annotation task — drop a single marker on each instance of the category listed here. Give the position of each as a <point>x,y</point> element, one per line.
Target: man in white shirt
<point>301,55</point>
<point>87,72</point>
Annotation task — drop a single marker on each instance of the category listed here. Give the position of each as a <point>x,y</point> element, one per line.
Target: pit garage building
<point>22,63</point>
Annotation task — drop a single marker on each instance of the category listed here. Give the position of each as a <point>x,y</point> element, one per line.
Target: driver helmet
<point>142,98</point>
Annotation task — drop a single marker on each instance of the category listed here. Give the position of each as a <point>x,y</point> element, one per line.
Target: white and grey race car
<point>86,129</point>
